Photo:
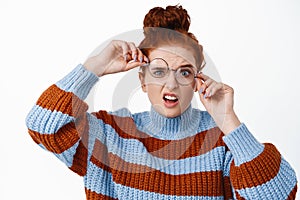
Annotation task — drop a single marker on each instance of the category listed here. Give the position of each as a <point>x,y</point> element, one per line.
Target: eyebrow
<point>190,66</point>
<point>187,65</point>
<point>184,65</point>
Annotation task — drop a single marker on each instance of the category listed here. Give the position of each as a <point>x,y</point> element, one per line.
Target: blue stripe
<point>99,181</point>
<point>277,188</point>
<point>95,131</point>
<point>133,151</point>
<point>227,162</point>
<point>46,121</point>
<point>79,81</point>
<point>243,145</point>
<point>67,156</point>
<point>132,193</point>
<point>144,124</point>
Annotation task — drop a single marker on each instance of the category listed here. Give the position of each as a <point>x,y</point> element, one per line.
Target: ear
<point>197,85</point>
<point>142,80</point>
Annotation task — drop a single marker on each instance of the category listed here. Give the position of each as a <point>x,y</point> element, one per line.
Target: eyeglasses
<point>160,70</point>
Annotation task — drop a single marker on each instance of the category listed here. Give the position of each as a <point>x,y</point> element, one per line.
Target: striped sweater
<point>121,155</point>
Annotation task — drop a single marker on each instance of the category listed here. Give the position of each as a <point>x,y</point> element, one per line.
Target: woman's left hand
<point>217,99</point>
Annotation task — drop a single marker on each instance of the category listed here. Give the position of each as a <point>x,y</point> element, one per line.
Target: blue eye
<point>185,73</point>
<point>158,73</point>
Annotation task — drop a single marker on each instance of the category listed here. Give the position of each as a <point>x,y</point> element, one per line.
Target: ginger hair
<point>170,26</point>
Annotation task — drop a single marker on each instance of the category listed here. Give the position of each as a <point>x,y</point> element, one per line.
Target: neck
<point>172,128</point>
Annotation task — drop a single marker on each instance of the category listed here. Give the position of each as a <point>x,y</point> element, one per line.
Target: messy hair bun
<point>168,26</point>
<point>173,17</point>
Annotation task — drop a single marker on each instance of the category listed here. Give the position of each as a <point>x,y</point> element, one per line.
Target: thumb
<point>197,85</point>
<point>133,64</point>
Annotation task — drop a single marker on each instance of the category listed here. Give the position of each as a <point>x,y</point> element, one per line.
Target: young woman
<point>173,151</point>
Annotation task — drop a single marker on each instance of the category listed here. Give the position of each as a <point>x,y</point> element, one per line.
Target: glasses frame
<point>169,69</point>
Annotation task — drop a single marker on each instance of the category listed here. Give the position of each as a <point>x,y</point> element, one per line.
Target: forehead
<point>174,55</point>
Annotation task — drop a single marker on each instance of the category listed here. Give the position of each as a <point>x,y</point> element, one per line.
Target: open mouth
<point>170,100</point>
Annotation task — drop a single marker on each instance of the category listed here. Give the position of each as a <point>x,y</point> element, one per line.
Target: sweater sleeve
<point>256,170</point>
<point>58,122</point>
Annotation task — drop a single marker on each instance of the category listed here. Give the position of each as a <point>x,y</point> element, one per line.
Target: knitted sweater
<point>145,155</point>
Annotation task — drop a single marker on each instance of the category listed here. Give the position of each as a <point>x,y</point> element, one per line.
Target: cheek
<point>187,94</point>
<point>153,92</point>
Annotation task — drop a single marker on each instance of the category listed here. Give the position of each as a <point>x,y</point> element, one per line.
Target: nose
<point>171,82</point>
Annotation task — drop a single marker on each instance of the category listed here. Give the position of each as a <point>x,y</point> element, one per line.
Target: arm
<point>257,171</point>
<point>58,122</point>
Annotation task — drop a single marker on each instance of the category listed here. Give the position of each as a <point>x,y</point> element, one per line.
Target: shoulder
<point>206,118</point>
<point>122,112</point>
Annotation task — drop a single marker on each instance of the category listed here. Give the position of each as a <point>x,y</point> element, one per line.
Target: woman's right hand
<point>117,56</point>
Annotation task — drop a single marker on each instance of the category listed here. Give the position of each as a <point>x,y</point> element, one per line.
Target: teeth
<point>172,98</point>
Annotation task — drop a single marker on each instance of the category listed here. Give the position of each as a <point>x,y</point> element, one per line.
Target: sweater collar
<point>173,128</point>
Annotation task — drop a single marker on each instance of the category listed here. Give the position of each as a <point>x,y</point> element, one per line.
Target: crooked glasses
<point>160,70</point>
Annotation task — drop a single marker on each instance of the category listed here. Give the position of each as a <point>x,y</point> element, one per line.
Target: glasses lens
<point>185,75</point>
<point>158,68</point>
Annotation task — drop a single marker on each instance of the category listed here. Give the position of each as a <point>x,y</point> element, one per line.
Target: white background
<point>254,44</point>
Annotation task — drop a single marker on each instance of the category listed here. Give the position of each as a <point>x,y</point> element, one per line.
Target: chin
<point>171,114</point>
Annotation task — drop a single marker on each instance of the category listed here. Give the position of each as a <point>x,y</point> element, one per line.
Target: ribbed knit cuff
<point>243,145</point>
<point>79,81</point>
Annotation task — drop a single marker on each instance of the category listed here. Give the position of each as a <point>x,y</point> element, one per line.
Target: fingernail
<point>141,59</point>
<point>201,90</point>
<point>134,57</point>
<point>205,95</point>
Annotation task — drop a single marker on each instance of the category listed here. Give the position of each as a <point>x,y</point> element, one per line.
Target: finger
<point>126,50</point>
<point>203,76</point>
<point>213,89</point>
<point>131,64</point>
<point>198,84</point>
<point>202,86</point>
<point>208,82</point>
<point>208,90</point>
<point>134,51</point>
<point>140,55</point>
<point>205,85</point>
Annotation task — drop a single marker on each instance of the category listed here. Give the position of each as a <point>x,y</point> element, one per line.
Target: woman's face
<point>169,92</point>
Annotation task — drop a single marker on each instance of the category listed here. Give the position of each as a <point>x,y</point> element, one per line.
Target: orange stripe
<point>238,197</point>
<point>100,156</point>
<point>79,164</point>
<point>55,99</point>
<point>148,179</point>
<point>227,188</point>
<point>292,194</point>
<point>166,149</point>
<point>90,195</point>
<point>260,170</point>
<point>64,138</point>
